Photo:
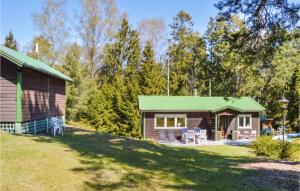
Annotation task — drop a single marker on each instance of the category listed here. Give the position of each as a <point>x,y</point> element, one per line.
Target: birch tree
<point>96,26</point>
<point>51,23</point>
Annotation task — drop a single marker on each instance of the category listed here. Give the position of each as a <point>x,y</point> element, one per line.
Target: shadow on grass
<point>148,165</point>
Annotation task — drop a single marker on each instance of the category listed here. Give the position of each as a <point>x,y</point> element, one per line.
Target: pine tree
<point>73,68</point>
<point>10,41</point>
<point>293,115</point>
<point>187,57</point>
<point>231,63</point>
<point>100,111</point>
<point>131,114</point>
<point>121,72</point>
<point>152,81</point>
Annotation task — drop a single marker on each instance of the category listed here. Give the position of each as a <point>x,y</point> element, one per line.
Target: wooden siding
<point>204,120</point>
<point>8,89</point>
<point>42,95</point>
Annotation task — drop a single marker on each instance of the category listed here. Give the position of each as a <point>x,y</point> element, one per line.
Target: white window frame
<point>244,121</point>
<point>165,116</point>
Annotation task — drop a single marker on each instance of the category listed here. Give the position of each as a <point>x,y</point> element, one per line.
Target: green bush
<point>265,146</point>
<point>287,150</point>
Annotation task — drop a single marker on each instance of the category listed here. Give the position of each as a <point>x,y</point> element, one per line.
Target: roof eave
<point>175,110</point>
<point>12,59</point>
<point>192,110</point>
<point>65,79</point>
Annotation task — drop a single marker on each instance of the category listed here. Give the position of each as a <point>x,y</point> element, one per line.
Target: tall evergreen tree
<point>267,20</point>
<point>10,41</point>
<point>73,68</point>
<point>293,115</point>
<point>152,80</point>
<point>278,76</point>
<point>187,57</point>
<point>231,63</point>
<point>120,72</point>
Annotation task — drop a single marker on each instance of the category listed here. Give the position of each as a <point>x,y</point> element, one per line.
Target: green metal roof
<point>196,103</point>
<point>23,60</point>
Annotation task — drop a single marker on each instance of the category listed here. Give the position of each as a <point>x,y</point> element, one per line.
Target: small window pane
<point>180,122</point>
<point>171,122</point>
<point>248,122</point>
<point>160,121</point>
<point>241,121</point>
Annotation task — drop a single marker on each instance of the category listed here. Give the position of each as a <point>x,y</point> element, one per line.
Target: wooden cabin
<point>220,116</point>
<point>31,93</point>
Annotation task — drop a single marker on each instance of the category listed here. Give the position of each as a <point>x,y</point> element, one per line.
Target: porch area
<point>241,142</point>
<point>197,137</point>
<point>234,126</point>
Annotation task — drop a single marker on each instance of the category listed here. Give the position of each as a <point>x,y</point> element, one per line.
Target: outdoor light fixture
<point>283,104</point>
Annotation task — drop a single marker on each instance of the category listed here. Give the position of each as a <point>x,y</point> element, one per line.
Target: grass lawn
<point>85,160</point>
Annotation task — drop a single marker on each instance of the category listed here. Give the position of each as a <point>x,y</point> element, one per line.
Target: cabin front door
<point>224,124</point>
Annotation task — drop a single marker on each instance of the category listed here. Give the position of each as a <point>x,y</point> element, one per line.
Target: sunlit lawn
<point>85,160</point>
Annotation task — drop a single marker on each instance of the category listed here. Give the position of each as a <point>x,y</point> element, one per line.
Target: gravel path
<point>279,175</point>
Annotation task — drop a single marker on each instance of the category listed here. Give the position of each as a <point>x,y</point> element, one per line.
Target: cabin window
<point>160,122</point>
<point>181,122</point>
<point>244,121</point>
<point>170,121</point>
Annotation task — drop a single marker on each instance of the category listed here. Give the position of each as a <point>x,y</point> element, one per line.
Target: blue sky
<point>16,14</point>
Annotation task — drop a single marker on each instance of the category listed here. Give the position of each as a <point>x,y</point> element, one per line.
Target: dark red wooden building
<point>30,93</point>
<point>217,115</point>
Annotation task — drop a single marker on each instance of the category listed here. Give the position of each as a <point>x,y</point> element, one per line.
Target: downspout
<point>258,126</point>
<point>144,136</point>
<point>216,126</point>
<point>209,88</point>
<point>18,128</point>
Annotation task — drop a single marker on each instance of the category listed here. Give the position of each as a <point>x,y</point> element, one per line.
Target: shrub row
<point>265,146</point>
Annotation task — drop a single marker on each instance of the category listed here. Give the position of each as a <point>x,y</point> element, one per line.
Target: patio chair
<point>247,134</point>
<point>61,122</point>
<point>240,136</point>
<point>203,136</point>
<point>191,135</point>
<point>56,126</point>
<point>171,136</point>
<point>162,136</point>
<point>253,134</point>
<point>197,134</point>
<point>184,135</point>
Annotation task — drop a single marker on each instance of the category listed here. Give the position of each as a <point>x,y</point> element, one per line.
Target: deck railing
<point>40,126</point>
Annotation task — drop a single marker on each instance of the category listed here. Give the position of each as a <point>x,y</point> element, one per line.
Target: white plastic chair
<point>56,126</point>
<point>203,136</point>
<point>171,136</point>
<point>253,134</point>
<point>240,136</point>
<point>162,136</point>
<point>184,135</point>
<point>197,134</point>
<point>191,135</point>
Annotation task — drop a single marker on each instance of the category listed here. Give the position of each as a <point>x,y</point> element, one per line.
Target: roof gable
<point>196,103</point>
<point>23,60</point>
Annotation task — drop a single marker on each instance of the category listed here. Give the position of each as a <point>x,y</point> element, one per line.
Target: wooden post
<point>216,126</point>
<point>34,127</point>
<point>47,124</point>
<point>18,126</point>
